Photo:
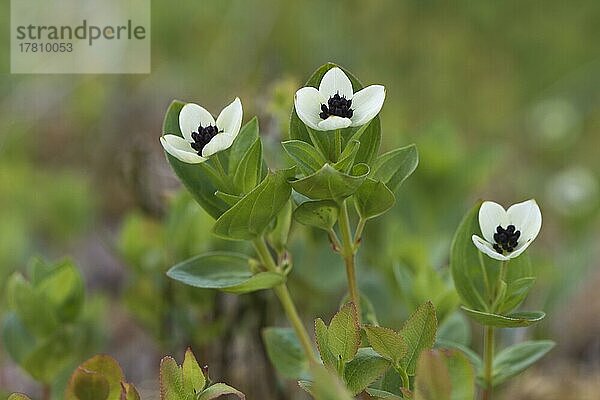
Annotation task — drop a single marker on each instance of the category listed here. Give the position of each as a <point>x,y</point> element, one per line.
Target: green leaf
<point>473,357</point>
<point>17,340</point>
<point>278,237</point>
<point>331,184</point>
<point>250,217</point>
<point>433,378</point>
<point>369,136</point>
<point>102,365</point>
<point>516,293</point>
<point>386,342</point>
<point>346,160</point>
<point>50,357</point>
<point>247,137</point>
<point>515,359</point>
<point>193,377</point>
<point>455,329</point>
<point>382,394</point>
<point>392,168</point>
<point>419,334</point>
<point>220,389</point>
<point>197,178</point>
<point>89,385</point>
<point>18,396</point>
<point>63,288</point>
<point>326,385</point>
<point>285,352</point>
<point>230,199</point>
<point>322,344</point>
<point>364,369</point>
<point>228,272</point>
<point>171,380</point>
<point>343,333</point>
<point>32,306</point>
<point>466,263</point>
<point>444,375</point>
<point>248,171</point>
<point>131,392</point>
<point>308,159</point>
<point>372,199</point>
<point>321,214</point>
<point>513,320</point>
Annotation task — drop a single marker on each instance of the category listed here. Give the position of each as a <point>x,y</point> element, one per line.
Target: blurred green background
<point>501,98</point>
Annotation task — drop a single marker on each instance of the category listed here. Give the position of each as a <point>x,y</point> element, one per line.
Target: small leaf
<point>382,394</point>
<point>248,171</point>
<point>331,184</point>
<point>372,199</point>
<point>220,389</point>
<point>285,352</point>
<point>515,359</point>
<point>433,378</point>
<point>18,396</point>
<point>88,385</point>
<point>225,271</point>
<point>308,159</point>
<point>516,293</point>
<point>386,342</point>
<point>513,320</point>
<point>102,365</point>
<point>364,369</point>
<point>193,378</point>
<point>251,216</point>
<point>369,136</point>
<point>322,344</point>
<point>278,237</point>
<point>248,135</point>
<point>392,168</point>
<point>346,160</point>
<point>473,357</point>
<point>343,333</point>
<point>322,214</point>
<point>171,380</point>
<point>419,334</point>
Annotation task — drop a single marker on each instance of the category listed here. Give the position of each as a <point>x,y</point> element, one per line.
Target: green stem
<point>286,301</point>
<point>359,230</point>
<point>403,377</point>
<point>347,252</point>
<point>488,360</point>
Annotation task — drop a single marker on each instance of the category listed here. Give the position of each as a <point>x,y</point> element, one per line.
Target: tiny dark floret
<point>506,239</point>
<point>337,105</point>
<point>203,136</point>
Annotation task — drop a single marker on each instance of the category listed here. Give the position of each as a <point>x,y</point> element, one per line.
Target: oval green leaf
<point>331,184</point>
<point>228,272</point>
<point>513,320</point>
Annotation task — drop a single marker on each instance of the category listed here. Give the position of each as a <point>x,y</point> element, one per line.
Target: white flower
<point>335,106</point>
<point>202,136</point>
<point>509,232</point>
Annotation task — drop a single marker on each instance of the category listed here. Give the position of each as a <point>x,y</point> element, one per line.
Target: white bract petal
<point>334,122</point>
<point>220,142</point>
<point>307,102</point>
<point>230,119</point>
<point>336,81</point>
<point>367,103</point>
<point>181,149</point>
<point>490,216</point>
<point>487,248</point>
<point>527,217</point>
<point>191,117</point>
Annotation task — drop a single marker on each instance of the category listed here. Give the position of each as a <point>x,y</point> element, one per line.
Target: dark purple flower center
<point>203,136</point>
<point>506,239</point>
<point>337,105</point>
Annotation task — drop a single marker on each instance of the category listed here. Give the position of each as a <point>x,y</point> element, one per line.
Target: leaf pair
<point>187,382</point>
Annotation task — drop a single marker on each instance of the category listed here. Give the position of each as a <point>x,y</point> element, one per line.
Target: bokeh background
<point>501,98</point>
